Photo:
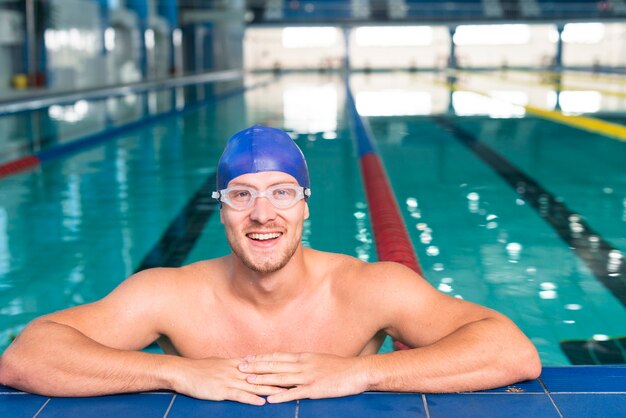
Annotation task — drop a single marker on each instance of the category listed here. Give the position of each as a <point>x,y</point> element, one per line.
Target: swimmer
<point>272,321</point>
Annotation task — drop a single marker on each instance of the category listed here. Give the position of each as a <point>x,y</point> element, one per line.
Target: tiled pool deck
<point>580,391</point>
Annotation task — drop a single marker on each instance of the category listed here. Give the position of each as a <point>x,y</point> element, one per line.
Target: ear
<point>221,217</point>
<point>306,210</point>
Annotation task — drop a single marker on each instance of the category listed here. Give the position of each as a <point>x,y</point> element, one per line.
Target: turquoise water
<point>74,228</point>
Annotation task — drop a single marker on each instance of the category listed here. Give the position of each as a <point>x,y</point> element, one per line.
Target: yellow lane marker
<point>594,125</point>
<point>572,87</point>
<point>596,78</point>
<point>589,124</point>
<point>569,87</point>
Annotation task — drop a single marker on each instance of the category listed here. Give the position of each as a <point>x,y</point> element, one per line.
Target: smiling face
<point>263,237</point>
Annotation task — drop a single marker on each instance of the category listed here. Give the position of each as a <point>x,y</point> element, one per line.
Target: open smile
<point>265,236</point>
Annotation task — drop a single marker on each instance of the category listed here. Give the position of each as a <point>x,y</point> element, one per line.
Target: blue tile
<point>188,408</point>
<point>591,405</point>
<point>377,405</point>
<point>135,405</point>
<point>17,405</point>
<point>585,379</point>
<point>491,405</point>
<point>528,386</point>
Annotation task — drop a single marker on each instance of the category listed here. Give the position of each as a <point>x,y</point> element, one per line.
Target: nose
<point>263,211</point>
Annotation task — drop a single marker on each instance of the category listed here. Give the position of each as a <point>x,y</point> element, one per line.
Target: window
<point>583,33</point>
<point>393,36</point>
<point>309,37</point>
<point>492,35</point>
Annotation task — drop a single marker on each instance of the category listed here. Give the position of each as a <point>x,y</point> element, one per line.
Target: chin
<point>264,261</point>
<point>265,267</point>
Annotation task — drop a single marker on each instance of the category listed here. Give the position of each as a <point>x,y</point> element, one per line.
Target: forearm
<point>465,360</point>
<point>57,360</point>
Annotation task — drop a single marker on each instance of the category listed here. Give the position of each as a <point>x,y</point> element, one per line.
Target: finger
<point>282,379</point>
<point>273,366</point>
<point>288,395</point>
<point>262,390</point>
<point>288,357</point>
<point>244,397</point>
<point>253,387</point>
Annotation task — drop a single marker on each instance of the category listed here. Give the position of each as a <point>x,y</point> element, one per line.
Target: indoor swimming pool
<point>506,206</point>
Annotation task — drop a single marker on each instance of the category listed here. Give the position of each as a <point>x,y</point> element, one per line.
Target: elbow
<point>8,370</point>
<point>527,364</point>
<point>533,368</point>
<point>16,370</point>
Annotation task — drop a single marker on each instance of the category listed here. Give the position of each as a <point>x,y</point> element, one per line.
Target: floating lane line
<point>18,165</point>
<point>602,259</point>
<point>36,159</point>
<point>551,84</point>
<point>589,124</point>
<point>184,230</point>
<point>612,78</point>
<point>586,123</point>
<point>390,233</point>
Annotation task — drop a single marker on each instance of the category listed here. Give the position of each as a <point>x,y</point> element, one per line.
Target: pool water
<point>520,213</point>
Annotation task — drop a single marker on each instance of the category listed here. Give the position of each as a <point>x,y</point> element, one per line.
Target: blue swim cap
<point>258,149</point>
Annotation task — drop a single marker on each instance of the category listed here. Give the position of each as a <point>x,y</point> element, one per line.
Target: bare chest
<point>236,334</point>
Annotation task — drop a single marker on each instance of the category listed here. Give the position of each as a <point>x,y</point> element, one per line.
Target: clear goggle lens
<point>282,196</point>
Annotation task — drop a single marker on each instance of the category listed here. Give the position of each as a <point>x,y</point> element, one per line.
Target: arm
<point>92,350</point>
<point>55,359</point>
<point>460,346</point>
<point>481,354</point>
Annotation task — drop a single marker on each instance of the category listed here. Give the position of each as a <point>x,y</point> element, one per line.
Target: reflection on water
<point>5,255</point>
<point>468,103</point>
<point>310,109</point>
<point>72,208</point>
<point>393,103</point>
<point>363,236</point>
<point>577,102</point>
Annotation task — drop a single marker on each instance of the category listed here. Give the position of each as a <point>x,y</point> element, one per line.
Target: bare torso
<point>208,319</point>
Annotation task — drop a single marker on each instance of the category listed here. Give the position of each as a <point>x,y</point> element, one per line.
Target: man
<point>272,321</point>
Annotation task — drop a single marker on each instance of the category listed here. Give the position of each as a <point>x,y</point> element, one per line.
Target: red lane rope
<point>20,164</point>
<point>390,234</point>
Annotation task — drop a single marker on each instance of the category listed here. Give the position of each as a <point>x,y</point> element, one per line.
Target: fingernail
<point>251,378</point>
<point>244,366</point>
<point>249,357</point>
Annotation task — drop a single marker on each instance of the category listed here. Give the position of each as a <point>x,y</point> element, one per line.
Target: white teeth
<point>263,237</point>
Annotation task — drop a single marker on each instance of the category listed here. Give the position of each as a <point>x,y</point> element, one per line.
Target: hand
<point>219,379</point>
<point>306,375</point>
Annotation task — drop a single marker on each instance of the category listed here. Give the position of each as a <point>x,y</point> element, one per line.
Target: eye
<point>239,195</point>
<point>284,193</point>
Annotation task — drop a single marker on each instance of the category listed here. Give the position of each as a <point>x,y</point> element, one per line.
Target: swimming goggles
<point>282,196</point>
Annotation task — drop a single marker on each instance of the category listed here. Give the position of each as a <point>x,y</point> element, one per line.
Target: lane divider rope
<point>31,161</point>
<point>390,233</point>
<point>586,123</point>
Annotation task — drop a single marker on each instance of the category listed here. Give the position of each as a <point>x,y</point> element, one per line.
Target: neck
<point>270,290</point>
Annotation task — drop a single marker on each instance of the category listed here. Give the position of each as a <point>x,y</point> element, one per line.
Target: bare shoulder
<point>148,292</point>
<point>371,279</point>
<point>175,279</point>
<point>141,307</point>
<point>375,275</point>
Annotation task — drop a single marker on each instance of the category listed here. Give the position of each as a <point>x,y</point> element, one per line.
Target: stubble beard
<point>270,263</point>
